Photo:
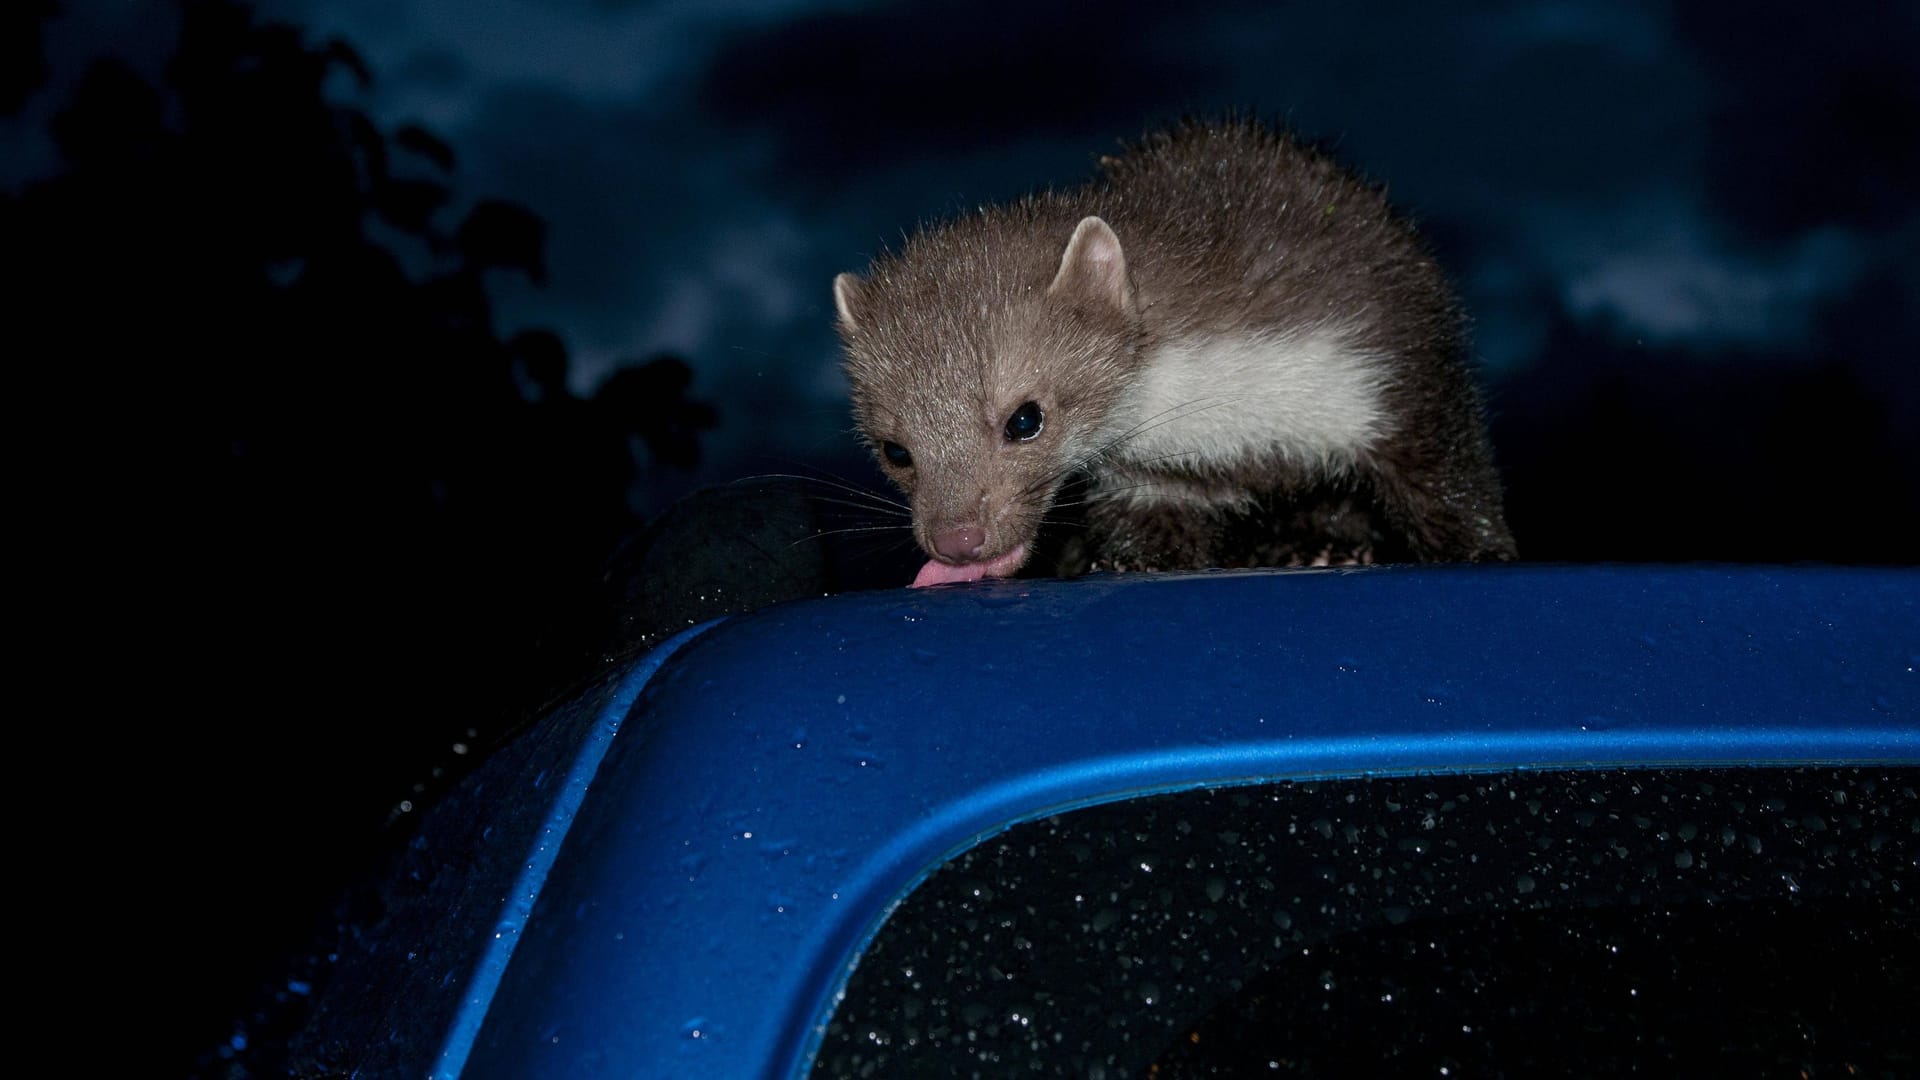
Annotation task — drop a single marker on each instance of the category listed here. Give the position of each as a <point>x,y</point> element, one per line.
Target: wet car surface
<point>1237,810</point>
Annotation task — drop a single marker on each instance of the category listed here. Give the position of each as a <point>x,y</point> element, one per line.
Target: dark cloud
<point>1462,105</point>
<point>438,67</point>
<point>1455,103</point>
<point>852,90</point>
<point>597,173</point>
<point>1816,117</point>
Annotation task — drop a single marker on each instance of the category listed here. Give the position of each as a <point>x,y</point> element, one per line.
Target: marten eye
<point>897,454</point>
<point>1025,422</point>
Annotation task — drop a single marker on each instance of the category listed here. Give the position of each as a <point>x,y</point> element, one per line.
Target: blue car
<point>1435,821</point>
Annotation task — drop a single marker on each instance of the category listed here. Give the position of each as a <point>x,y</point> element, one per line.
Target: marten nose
<point>961,543</point>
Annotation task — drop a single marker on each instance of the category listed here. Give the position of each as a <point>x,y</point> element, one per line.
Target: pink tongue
<point>939,573</point>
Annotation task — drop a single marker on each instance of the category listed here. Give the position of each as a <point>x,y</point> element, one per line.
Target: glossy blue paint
<point>787,776</point>
<point>496,952</point>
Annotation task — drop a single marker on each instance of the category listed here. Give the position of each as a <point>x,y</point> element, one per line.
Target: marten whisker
<point>836,483</point>
<point>817,534</point>
<point>890,509</point>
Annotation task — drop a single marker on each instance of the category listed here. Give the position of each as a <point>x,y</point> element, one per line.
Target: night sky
<point>364,373</point>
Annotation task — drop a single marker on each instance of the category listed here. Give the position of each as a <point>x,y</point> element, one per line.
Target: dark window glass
<point>1746,922</point>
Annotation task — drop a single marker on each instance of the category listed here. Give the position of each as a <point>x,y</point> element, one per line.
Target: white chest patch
<point>1218,402</point>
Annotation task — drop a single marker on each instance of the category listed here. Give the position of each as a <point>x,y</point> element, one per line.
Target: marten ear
<point>850,297</point>
<point>1094,268</point>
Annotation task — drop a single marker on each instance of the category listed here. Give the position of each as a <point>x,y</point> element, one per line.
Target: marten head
<point>985,360</point>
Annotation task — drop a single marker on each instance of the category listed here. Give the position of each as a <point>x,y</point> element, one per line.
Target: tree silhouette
<point>320,509</point>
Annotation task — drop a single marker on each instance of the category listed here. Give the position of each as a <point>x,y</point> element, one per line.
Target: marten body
<point>1236,346</point>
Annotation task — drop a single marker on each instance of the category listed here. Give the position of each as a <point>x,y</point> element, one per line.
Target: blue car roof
<point>694,854</point>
